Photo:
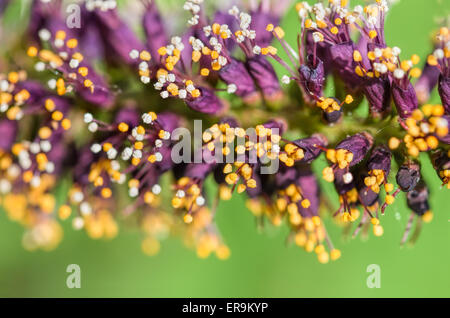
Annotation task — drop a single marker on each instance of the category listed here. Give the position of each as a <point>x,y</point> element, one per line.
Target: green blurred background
<point>261,264</point>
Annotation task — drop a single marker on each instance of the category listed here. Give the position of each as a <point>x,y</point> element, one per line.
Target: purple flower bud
<point>307,182</point>
<point>223,17</point>
<point>426,82</point>
<point>322,51</point>
<point>236,73</point>
<point>378,93</point>
<point>405,99</point>
<point>366,196</point>
<point>199,171</point>
<point>408,176</point>
<point>154,28</point>
<point>285,176</point>
<point>100,95</point>
<point>309,146</point>
<point>332,117</point>
<point>128,116</point>
<point>8,131</point>
<point>444,92</point>
<point>59,154</point>
<point>264,75</point>
<point>417,199</point>
<point>3,5</point>
<point>207,102</point>
<point>445,139</point>
<point>45,16</point>
<point>85,158</point>
<point>169,121</point>
<point>312,76</point>
<point>343,64</point>
<point>441,162</point>
<point>341,183</point>
<point>358,144</point>
<point>277,123</point>
<point>380,159</point>
<point>259,22</point>
<point>117,36</point>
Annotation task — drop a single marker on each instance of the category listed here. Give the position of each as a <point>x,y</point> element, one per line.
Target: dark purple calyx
<point>128,116</point>
<point>264,76</point>
<point>285,176</point>
<point>378,93</point>
<point>312,76</point>
<point>358,144</point>
<point>8,133</point>
<point>307,182</point>
<point>367,197</point>
<point>408,176</point>
<point>343,64</point>
<point>207,102</point>
<point>444,92</point>
<point>445,139</point>
<point>277,123</point>
<point>259,22</point>
<point>441,162</point>
<point>117,36</point>
<point>341,183</point>
<point>405,99</point>
<point>426,82</point>
<point>380,159</point>
<point>154,29</point>
<point>417,199</point>
<point>236,73</point>
<point>332,117</point>
<point>309,146</point>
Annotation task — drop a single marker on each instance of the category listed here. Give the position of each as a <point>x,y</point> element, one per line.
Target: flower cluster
<point>93,123</point>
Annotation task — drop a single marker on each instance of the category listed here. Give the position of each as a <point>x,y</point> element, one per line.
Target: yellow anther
<point>57,115</point>
<point>32,51</point>
<point>415,72</point>
<point>306,203</point>
<point>372,34</point>
<point>64,212</point>
<point>427,216</point>
<point>72,43</point>
<point>279,32</point>
<point>204,72</point>
<point>394,143</point>
<point>66,124</point>
<point>106,193</point>
<point>432,60</point>
<point>359,71</point>
<point>83,71</point>
<point>141,131</point>
<point>308,23</point>
<point>389,199</point>
<point>348,99</point>
<point>60,35</point>
<point>123,127</point>
<point>107,146</point>
<point>378,230</point>
<point>321,24</point>
<point>388,187</point>
<point>145,55</point>
<point>152,158</point>
<point>357,56</point>
<point>45,132</point>
<point>335,254</point>
<point>334,30</point>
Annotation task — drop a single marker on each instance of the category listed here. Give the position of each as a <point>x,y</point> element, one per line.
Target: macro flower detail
<point>113,121</point>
